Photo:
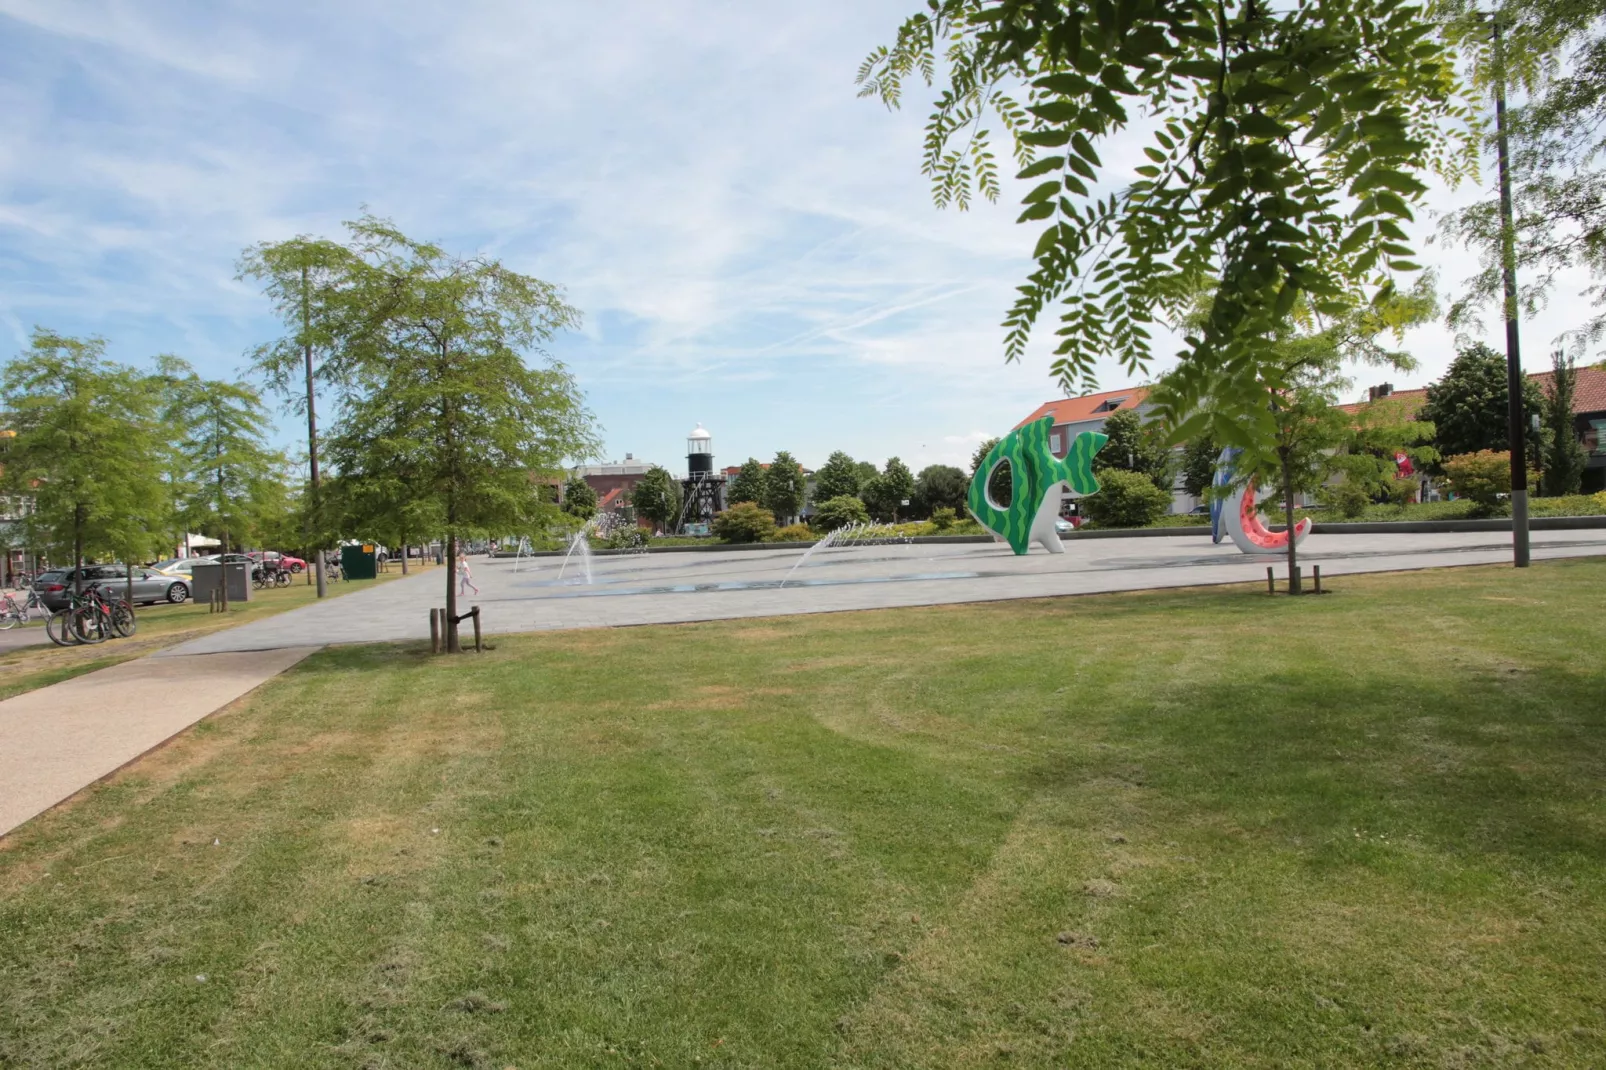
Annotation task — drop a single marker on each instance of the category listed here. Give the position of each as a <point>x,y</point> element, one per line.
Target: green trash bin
<point>359,562</point>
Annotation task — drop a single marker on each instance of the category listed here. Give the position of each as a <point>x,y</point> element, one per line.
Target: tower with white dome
<point>702,492</point>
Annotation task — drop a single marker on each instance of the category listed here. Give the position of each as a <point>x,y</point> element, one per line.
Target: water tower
<point>702,492</point>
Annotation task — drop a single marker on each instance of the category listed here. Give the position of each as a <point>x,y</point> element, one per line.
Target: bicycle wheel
<point>123,620</point>
<point>10,617</point>
<point>89,625</point>
<point>58,626</point>
<point>282,579</point>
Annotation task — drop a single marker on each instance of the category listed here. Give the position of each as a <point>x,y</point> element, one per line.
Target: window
<point>1054,442</point>
<point>1110,404</point>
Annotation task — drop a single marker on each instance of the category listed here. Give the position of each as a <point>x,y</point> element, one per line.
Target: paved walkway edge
<point>58,740</point>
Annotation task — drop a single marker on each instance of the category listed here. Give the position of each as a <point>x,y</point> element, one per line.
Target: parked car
<point>182,566</point>
<point>56,586</point>
<point>275,559</point>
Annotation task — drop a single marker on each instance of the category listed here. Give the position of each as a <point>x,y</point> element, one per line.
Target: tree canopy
<point>838,477</point>
<point>784,487</point>
<point>1138,447</point>
<point>1467,405</point>
<point>748,486</point>
<point>1288,148</point>
<point>657,497</point>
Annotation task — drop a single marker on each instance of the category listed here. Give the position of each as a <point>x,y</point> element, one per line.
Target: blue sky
<point>753,247</point>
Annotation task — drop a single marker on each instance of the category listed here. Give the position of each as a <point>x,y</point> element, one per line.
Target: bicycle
<point>97,618</point>
<point>13,614</point>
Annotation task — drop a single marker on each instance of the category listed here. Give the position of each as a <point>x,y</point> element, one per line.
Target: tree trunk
<point>451,593</point>
<point>78,550</point>
<point>225,569</point>
<point>404,554</point>
<point>1288,518</point>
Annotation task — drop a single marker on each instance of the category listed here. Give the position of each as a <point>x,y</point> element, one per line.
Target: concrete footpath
<point>60,739</point>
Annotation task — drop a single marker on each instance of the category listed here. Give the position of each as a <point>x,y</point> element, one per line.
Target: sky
<point>752,246</point>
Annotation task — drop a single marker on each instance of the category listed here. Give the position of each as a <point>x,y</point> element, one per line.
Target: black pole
<point>312,433</point>
<point>1508,262</point>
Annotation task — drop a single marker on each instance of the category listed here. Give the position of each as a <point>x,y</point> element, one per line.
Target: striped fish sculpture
<point>1237,517</point>
<point>1034,475</point>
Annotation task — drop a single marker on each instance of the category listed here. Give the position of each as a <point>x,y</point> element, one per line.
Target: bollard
<point>1294,585</point>
<point>434,631</point>
<point>1316,573</point>
<point>477,648</point>
<point>1271,581</point>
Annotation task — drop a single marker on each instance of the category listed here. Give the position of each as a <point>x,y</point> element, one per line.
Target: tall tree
<point>748,486</point>
<point>900,485</point>
<point>1137,447</point>
<point>837,478</point>
<point>657,497</point>
<point>310,282</point>
<point>1199,465</point>
<point>940,486</point>
<point>999,485</point>
<point>434,370</point>
<point>1467,406</point>
<point>84,448</point>
<point>578,498</point>
<point>1289,145</point>
<point>234,480</point>
<point>784,488</point>
<point>1564,453</point>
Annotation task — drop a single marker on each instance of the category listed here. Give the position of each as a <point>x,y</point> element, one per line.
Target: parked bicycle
<point>91,617</point>
<point>269,577</point>
<point>13,612</point>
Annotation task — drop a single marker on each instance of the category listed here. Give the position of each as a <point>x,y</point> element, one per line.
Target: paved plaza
<point>551,593</point>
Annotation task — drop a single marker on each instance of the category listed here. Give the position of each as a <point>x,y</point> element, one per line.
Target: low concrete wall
<point>1392,527</point>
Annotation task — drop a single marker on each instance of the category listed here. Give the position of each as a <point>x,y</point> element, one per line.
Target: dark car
<point>55,587</point>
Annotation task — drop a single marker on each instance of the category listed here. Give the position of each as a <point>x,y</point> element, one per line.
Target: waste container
<point>204,579</point>
<point>359,562</point>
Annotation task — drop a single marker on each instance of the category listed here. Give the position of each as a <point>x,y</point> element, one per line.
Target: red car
<point>274,559</point>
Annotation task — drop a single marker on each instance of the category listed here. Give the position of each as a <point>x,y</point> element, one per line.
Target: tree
<point>1288,148</point>
<point>1556,137</point>
<point>837,478</point>
<point>1380,433</point>
<point>657,497</point>
<point>865,471</point>
<point>579,499</point>
<point>1467,406</point>
<point>877,496</point>
<point>1125,499</point>
<point>940,486</point>
<point>900,485</point>
<point>1199,465</point>
<point>838,512</point>
<point>84,449</point>
<point>1483,478</point>
<point>999,484</point>
<point>784,487</point>
<point>744,522</point>
<point>434,377</point>
<point>1564,454</point>
<point>309,281</point>
<point>1137,447</point>
<point>748,486</point>
<point>234,480</point>
<point>1298,390</point>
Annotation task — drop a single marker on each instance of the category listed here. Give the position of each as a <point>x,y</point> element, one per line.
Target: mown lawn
<point>1185,829</point>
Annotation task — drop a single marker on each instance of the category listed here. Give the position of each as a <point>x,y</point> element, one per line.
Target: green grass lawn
<point>1186,829</point>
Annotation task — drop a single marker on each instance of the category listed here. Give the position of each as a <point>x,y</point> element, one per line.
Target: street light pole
<point>1517,441</point>
<point>312,431</point>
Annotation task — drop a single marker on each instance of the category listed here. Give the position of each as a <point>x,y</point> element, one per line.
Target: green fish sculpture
<point>1034,472</point>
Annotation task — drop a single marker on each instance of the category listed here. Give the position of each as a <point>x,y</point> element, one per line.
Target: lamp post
<point>1517,443</point>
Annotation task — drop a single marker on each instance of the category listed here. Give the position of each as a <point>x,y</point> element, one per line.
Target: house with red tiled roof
<point>1072,416</point>
<point>1589,414</point>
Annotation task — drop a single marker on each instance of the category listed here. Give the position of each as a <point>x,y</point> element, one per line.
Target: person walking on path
<point>465,578</point>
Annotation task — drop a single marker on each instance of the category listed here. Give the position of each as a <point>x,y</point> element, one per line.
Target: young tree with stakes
<point>438,371</point>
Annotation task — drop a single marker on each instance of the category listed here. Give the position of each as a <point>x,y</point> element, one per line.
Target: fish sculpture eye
<point>1034,473</point>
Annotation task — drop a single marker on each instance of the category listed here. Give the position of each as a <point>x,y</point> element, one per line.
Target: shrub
<point>745,522</point>
<point>626,537</point>
<point>839,513</point>
<point>1348,497</point>
<point>1125,500</point>
<point>942,519</point>
<point>1481,478</point>
<point>794,533</point>
<point>1599,498</point>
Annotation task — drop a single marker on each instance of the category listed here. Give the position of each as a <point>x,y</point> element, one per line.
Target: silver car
<point>55,587</point>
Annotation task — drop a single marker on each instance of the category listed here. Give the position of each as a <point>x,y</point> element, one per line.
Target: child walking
<point>464,577</point>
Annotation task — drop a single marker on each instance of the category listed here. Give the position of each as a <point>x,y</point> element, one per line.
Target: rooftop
<point>1590,395</point>
<point>1088,406</point>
